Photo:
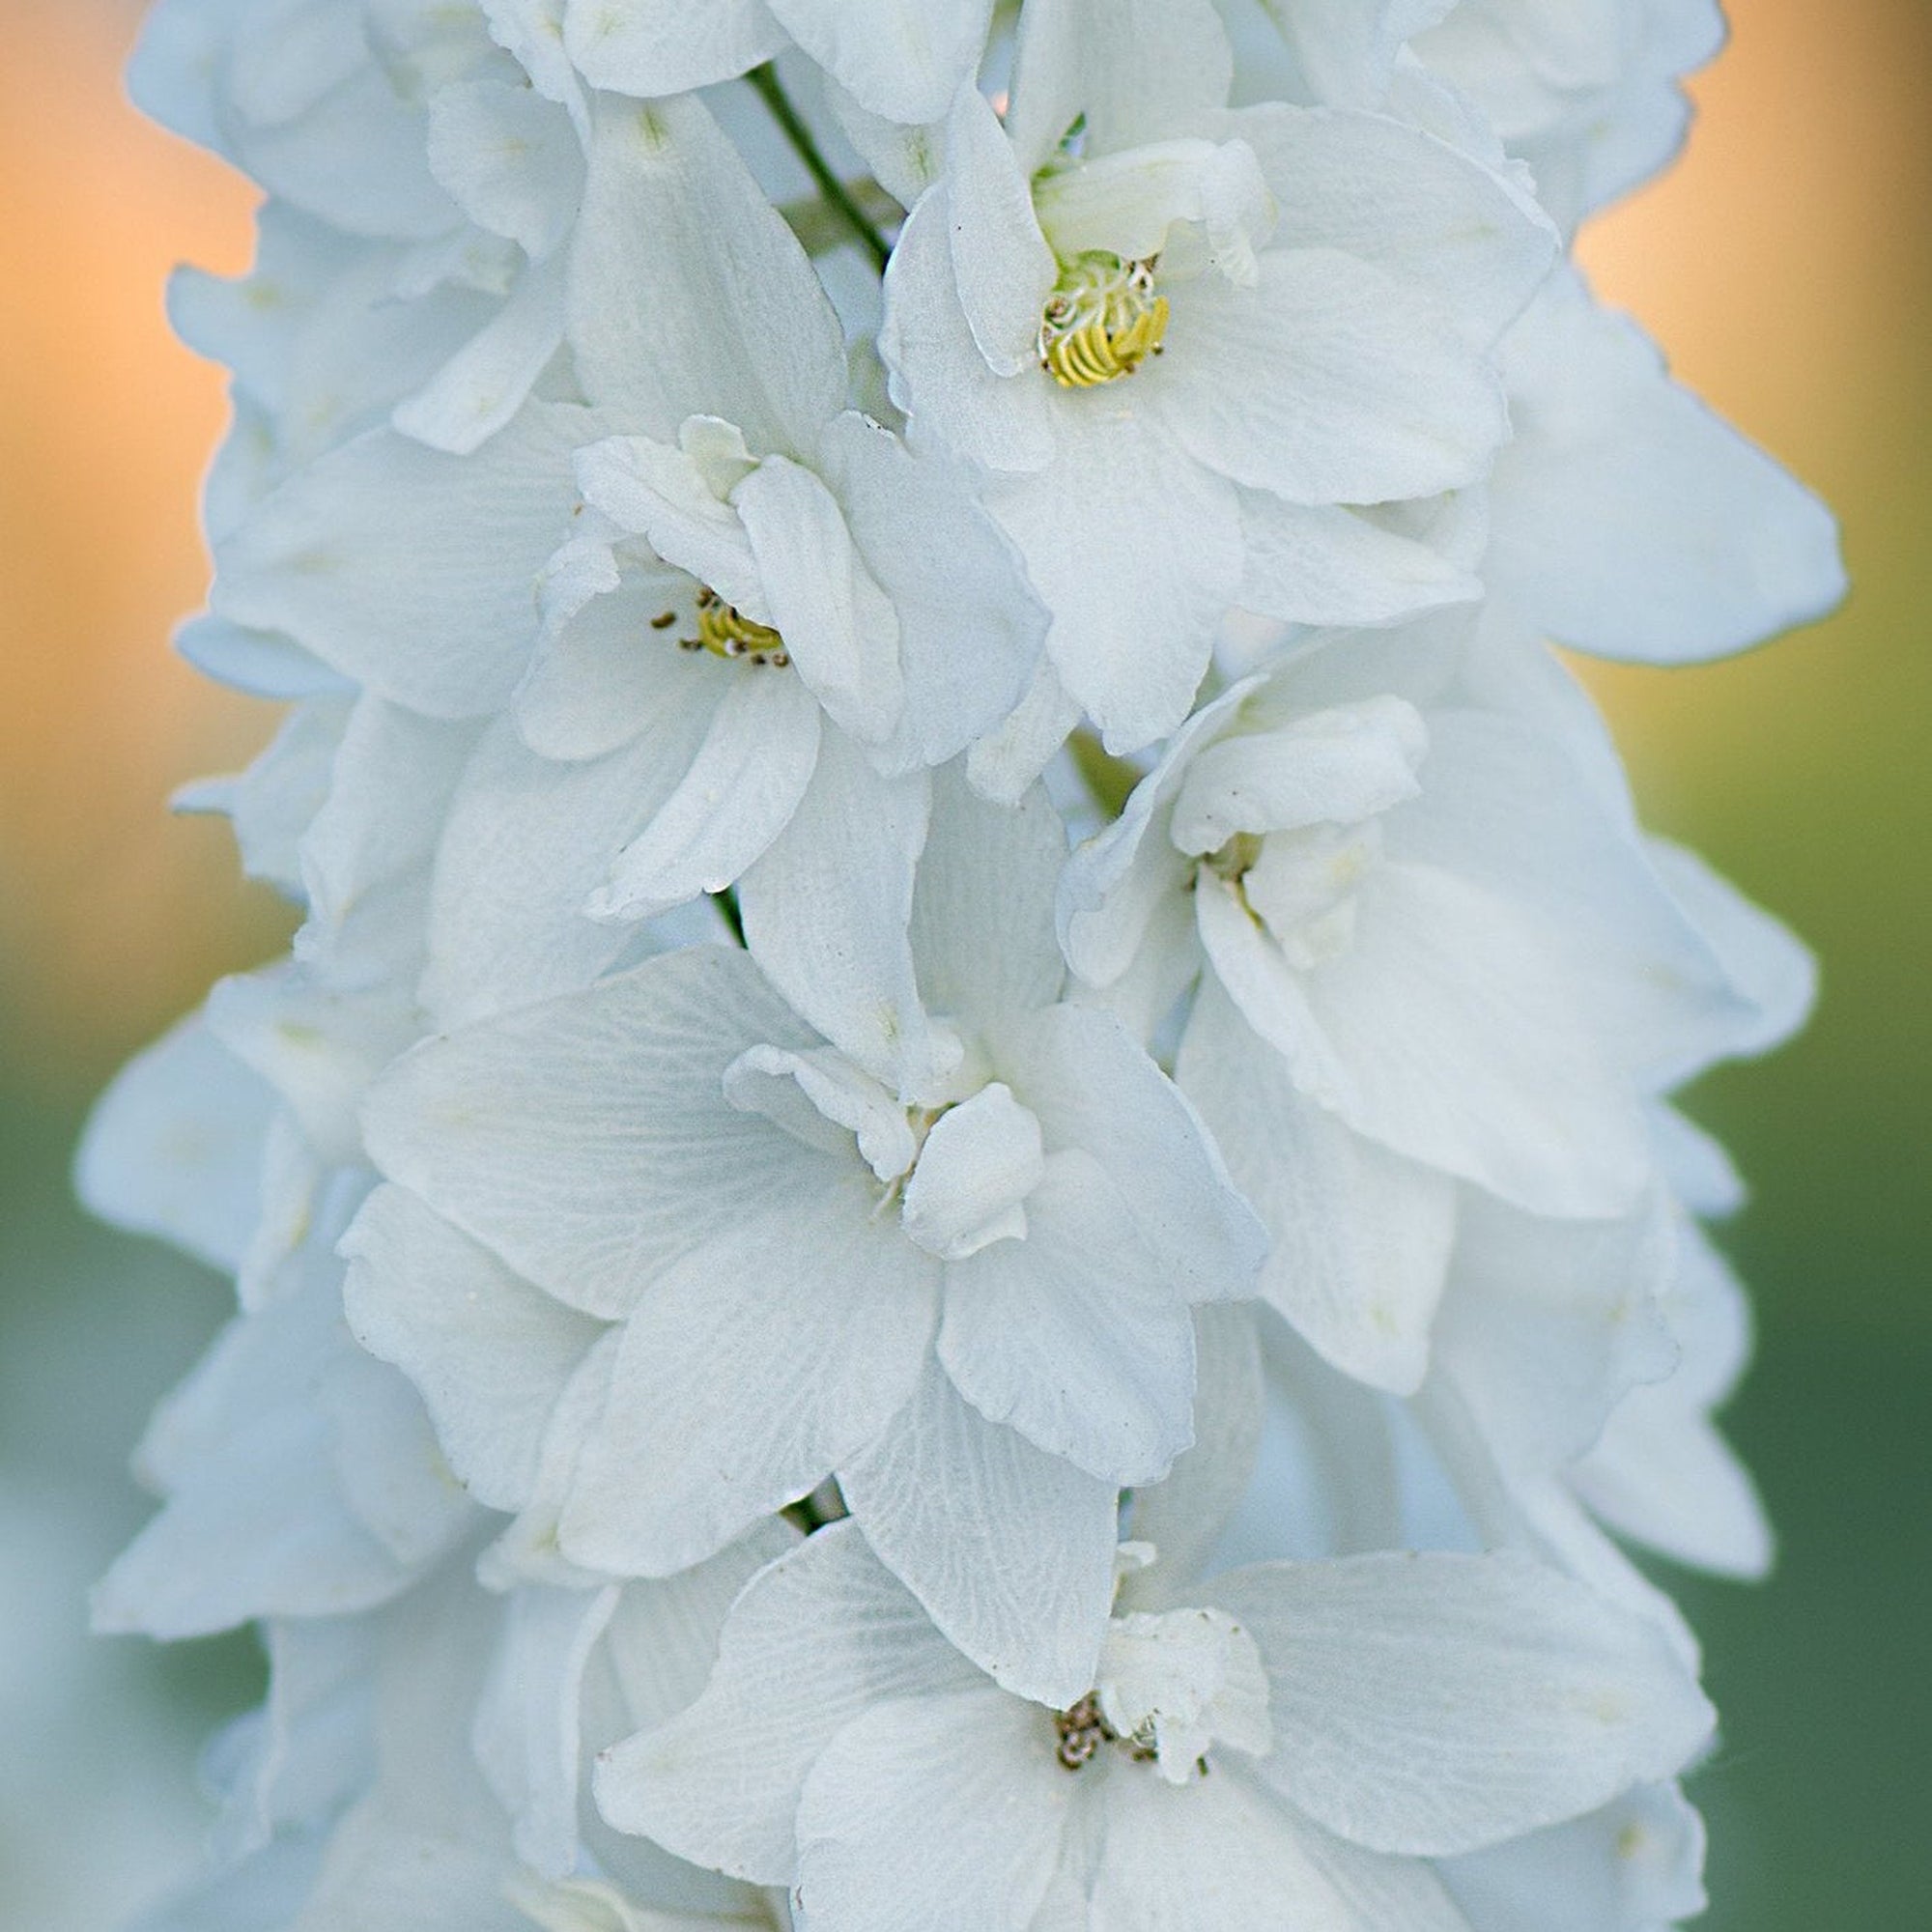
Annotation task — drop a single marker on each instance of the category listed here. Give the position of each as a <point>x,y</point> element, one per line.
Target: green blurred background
<point>1787,267</point>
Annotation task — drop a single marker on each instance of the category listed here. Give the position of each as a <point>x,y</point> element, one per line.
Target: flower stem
<point>1108,779</point>
<point>791,124</point>
<point>726,903</point>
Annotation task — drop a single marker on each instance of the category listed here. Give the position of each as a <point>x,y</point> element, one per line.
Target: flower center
<point>1170,1687</point>
<point>1101,322</point>
<point>725,632</point>
<point>1083,1728</point>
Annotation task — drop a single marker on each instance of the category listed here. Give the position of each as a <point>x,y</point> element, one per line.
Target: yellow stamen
<point>1102,320</point>
<point>725,632</point>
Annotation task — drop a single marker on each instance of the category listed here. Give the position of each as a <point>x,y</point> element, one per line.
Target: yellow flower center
<point>725,632</point>
<point>1101,322</point>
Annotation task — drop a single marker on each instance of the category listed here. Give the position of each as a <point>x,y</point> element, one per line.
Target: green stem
<point>1107,778</point>
<point>771,91</point>
<point>726,903</point>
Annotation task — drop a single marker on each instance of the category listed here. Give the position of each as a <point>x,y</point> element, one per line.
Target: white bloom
<point>1345,1722</point>
<point>1315,352</point>
<point>983,1284</point>
<point>1432,953</point>
<point>778,537</point>
<point>636,585</point>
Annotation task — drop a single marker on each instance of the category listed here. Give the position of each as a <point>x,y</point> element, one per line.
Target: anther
<point>725,632</point>
<point>1102,320</point>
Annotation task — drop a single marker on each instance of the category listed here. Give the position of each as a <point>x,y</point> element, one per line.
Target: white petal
<point>940,378</point>
<point>903,59</point>
<point>479,388</point>
<point>688,295</point>
<point>1629,520</point>
<point>1411,204</point>
<point>822,1099</point>
<point>1011,1550</point>
<point>574,1138</point>
<point>838,626</point>
<point>743,785</point>
<point>1325,564</point>
<point>1346,50</point>
<point>815,1640</point>
<point>1360,1236</point>
<point>490,1355</point>
<point>826,909</point>
<point>1436,1704</point>
<point>982,905</point>
<point>940,1812</point>
<point>1138,69</point>
<point>661,491</point>
<point>649,47</point>
<point>527,1730</point>
<point>508,158</point>
<point>174,1146</point>
<point>1076,1336</point>
<point>1466,1048</point>
<point>740,1383</point>
<point>526,843</point>
<point>1136,551</point>
<point>1766,964</point>
<point>980,1161</point>
<point>1095,1089</point>
<point>1329,382</point>
<point>970,629</point>
<point>1633,1866</point>
<point>1223,1854</point>
<point>1009,760</point>
<point>1550,1325</point>
<point>409,570</point>
<point>1510,809</point>
<point>1114,880</point>
<point>607,668</point>
<point>1668,1480</point>
<point>1003,267</point>
<point>1269,993</point>
<point>1182,1516</point>
<point>1338,766</point>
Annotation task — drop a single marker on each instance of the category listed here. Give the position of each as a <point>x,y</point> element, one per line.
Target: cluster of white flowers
<point>960,1211</point>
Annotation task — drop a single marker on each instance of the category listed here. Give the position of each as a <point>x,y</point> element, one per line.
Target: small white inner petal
<point>1302,888</point>
<point>980,1162</point>
<point>821,1098</point>
<point>1337,766</point>
<point>1182,1681</point>
<point>1125,203</point>
<point>719,449</point>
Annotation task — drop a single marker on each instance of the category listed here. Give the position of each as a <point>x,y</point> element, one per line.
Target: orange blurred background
<point>1784,265</point>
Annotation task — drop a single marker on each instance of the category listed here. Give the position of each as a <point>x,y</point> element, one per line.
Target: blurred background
<point>1786,265</point>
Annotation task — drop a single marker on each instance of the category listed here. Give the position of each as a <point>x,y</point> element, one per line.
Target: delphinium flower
<point>962,1204</point>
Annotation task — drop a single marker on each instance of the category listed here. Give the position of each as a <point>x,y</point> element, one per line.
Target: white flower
<point>826,642</point>
<point>1345,1720</point>
<point>1432,953</point>
<point>970,1301</point>
<point>1314,354</point>
<point>636,585</point>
